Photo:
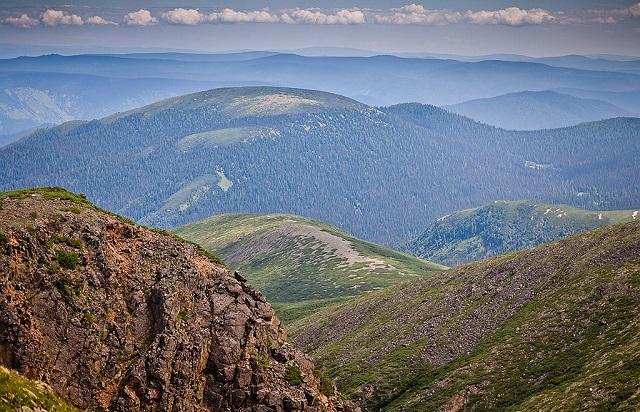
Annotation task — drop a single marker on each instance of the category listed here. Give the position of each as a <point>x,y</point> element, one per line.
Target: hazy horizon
<point>533,27</point>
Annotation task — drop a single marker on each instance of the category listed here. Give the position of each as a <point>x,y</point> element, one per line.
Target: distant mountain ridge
<point>502,227</point>
<point>124,81</point>
<point>537,110</point>
<point>265,150</point>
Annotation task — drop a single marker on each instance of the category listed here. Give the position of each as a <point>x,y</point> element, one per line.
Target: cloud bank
<point>410,14</point>
<point>52,17</point>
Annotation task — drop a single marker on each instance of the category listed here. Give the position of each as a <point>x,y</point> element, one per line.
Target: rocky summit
<point>115,316</point>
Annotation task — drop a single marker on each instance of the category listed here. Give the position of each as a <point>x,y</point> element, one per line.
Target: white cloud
<point>418,14</point>
<point>141,17</point>
<point>315,16</point>
<point>233,16</point>
<point>99,21</point>
<point>57,17</point>
<point>23,21</point>
<point>635,10</point>
<point>511,16</point>
<point>191,17</point>
<point>188,17</point>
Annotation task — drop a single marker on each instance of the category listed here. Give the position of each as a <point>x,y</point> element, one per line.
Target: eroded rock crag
<point>115,316</point>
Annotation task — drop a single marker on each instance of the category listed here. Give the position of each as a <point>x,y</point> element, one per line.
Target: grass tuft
<point>67,260</point>
<point>293,375</point>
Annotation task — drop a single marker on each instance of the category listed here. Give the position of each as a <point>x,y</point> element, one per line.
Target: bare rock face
<point>118,317</point>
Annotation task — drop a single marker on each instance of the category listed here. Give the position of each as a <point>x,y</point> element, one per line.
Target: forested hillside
<point>382,174</point>
<point>29,100</point>
<point>502,227</point>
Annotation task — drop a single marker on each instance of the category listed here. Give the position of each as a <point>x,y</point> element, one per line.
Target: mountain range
<point>316,154</point>
<point>33,86</point>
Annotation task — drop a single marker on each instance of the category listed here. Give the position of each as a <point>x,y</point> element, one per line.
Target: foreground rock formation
<point>115,316</point>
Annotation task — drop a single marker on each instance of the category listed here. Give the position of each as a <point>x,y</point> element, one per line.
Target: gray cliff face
<point>117,317</point>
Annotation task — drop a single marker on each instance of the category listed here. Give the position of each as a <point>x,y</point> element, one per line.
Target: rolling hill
<point>382,174</point>
<point>551,328</point>
<point>537,110</point>
<point>301,264</point>
<point>502,227</point>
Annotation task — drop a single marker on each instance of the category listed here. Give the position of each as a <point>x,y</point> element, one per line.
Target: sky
<point>464,27</point>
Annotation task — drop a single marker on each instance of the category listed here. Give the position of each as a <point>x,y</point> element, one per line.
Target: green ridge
<point>505,226</point>
<point>301,264</point>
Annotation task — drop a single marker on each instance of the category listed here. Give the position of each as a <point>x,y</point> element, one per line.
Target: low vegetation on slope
<point>20,394</point>
<point>552,328</point>
<point>504,226</point>
<point>302,264</point>
<point>114,316</point>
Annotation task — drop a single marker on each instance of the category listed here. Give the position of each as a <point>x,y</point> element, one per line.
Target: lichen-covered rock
<point>115,316</point>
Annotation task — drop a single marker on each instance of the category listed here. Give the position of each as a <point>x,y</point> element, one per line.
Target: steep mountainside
<point>115,316</point>
<point>302,264</point>
<point>552,328</point>
<point>503,226</point>
<point>382,174</point>
<point>537,110</point>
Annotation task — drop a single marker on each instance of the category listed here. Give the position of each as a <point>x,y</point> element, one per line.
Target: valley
<point>298,206</point>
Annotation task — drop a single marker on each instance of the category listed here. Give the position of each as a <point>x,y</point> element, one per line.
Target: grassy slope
<point>301,264</point>
<point>19,393</point>
<point>552,328</point>
<point>506,226</point>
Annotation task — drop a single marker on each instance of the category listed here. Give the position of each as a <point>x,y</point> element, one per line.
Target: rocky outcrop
<point>115,316</point>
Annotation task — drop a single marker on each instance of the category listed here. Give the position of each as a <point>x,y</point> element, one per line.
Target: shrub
<point>293,375</point>
<point>3,239</point>
<point>66,288</point>
<point>183,315</point>
<point>74,243</point>
<point>67,260</point>
<point>88,316</point>
<point>326,386</point>
<point>72,209</point>
<point>261,359</point>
